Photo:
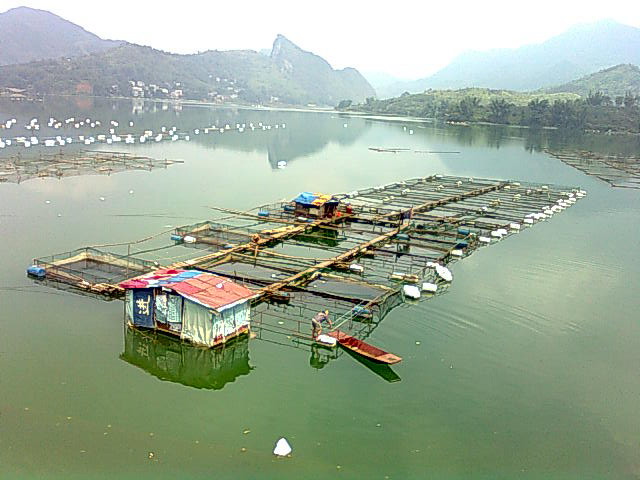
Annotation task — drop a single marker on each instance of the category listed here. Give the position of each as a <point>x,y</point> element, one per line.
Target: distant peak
<point>282,40</point>
<point>603,24</point>
<point>282,43</point>
<point>25,9</point>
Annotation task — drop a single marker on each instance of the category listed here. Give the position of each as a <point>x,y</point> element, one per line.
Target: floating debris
<point>282,448</point>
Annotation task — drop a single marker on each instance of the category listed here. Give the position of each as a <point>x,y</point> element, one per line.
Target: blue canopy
<point>315,199</point>
<point>306,198</point>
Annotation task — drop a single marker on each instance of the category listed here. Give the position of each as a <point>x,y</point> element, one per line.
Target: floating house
<point>316,205</point>
<point>200,307</point>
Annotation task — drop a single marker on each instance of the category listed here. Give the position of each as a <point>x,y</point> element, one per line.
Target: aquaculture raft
<point>18,168</point>
<point>617,170</point>
<point>378,247</point>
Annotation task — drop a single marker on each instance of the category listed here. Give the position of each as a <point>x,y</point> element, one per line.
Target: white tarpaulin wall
<point>128,307</point>
<point>197,324</point>
<point>235,318</point>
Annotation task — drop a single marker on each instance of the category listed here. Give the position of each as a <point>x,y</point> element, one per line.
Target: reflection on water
<point>383,370</point>
<point>171,360</point>
<point>286,136</point>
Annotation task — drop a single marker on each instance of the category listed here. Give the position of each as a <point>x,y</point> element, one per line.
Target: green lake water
<point>526,368</point>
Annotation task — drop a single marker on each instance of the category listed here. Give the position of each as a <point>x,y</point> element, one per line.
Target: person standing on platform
<point>317,321</point>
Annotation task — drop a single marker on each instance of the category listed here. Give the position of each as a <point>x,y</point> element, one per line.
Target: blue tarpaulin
<point>305,198</point>
<point>314,199</point>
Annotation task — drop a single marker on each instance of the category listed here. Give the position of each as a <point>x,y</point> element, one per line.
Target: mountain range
<point>46,54</point>
<point>27,34</point>
<point>581,50</point>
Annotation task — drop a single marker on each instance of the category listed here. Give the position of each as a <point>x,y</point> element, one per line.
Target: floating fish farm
<point>18,168</point>
<point>621,171</point>
<point>358,254</point>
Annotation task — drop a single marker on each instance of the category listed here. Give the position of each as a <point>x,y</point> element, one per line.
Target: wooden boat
<point>364,349</point>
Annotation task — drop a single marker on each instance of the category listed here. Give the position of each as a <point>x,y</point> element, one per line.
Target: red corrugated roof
<point>211,290</point>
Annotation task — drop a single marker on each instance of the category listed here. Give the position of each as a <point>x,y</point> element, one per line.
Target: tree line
<point>598,111</point>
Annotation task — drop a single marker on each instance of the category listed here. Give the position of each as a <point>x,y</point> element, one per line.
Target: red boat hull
<point>364,349</point>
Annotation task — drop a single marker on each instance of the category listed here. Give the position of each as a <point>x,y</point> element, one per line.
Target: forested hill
<point>27,34</point>
<point>289,75</point>
<point>596,111</point>
<point>614,82</point>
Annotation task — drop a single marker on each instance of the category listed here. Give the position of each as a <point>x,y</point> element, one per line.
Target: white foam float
<point>326,340</point>
<point>411,291</point>
<point>444,273</point>
<point>429,287</point>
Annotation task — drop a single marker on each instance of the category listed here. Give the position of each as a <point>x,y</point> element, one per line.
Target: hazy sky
<point>408,39</point>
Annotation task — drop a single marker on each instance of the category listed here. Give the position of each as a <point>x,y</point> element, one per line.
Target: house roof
<point>315,199</point>
<point>205,288</point>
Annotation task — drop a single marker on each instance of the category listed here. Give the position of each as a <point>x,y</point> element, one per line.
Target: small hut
<point>316,205</point>
<point>200,307</point>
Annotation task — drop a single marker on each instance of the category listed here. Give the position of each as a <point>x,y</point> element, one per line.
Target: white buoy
<point>514,226</point>
<point>189,239</point>
<point>484,239</point>
<point>354,267</point>
<point>282,448</point>
<point>457,252</point>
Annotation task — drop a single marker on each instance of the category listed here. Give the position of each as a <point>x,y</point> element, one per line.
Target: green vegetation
<point>614,82</point>
<point>562,110</point>
<point>290,75</point>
